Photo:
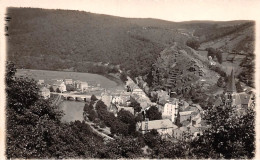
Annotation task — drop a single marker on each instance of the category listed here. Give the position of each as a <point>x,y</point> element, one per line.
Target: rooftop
<point>158,124</point>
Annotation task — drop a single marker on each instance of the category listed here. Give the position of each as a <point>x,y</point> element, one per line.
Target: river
<point>73,110</point>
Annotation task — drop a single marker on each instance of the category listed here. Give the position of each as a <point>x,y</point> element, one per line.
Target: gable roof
<point>244,98</point>
<point>158,124</point>
<point>218,102</point>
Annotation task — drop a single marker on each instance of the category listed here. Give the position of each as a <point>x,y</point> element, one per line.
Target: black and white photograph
<point>132,82</point>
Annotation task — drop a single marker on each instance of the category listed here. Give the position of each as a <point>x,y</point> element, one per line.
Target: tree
<point>219,56</point>
<point>119,127</point>
<point>129,119</point>
<point>51,89</point>
<point>122,147</point>
<point>231,134</point>
<point>193,43</point>
<point>70,87</point>
<point>211,52</point>
<point>239,87</point>
<point>25,113</point>
<point>125,116</point>
<point>153,113</point>
<point>123,77</point>
<point>58,90</point>
<point>221,82</point>
<point>93,98</point>
<point>136,105</point>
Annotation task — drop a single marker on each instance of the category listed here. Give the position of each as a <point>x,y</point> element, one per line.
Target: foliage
<point>136,105</point>
<point>248,70</point>
<point>58,90</point>
<point>129,119</point>
<point>51,89</point>
<point>210,32</point>
<point>153,113</point>
<point>193,43</point>
<point>219,56</point>
<point>122,147</point>
<point>93,98</point>
<point>70,88</point>
<point>221,82</point>
<point>123,77</point>
<point>89,112</point>
<point>218,70</point>
<point>231,134</point>
<point>34,129</point>
<point>239,87</point>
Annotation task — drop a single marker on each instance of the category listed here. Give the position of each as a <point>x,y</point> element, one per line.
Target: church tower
<point>230,89</point>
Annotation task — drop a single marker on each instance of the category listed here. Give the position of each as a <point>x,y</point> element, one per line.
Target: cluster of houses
<point>181,120</point>
<point>61,86</point>
<point>240,101</point>
<point>115,101</point>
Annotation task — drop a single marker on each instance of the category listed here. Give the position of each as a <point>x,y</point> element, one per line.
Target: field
<point>91,79</point>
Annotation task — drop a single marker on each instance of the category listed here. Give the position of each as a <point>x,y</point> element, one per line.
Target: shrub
<point>193,43</point>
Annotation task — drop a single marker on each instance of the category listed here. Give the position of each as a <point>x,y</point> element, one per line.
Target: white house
<point>170,110</point>
<point>138,91</point>
<point>45,93</point>
<point>106,98</point>
<point>40,82</point>
<point>83,86</point>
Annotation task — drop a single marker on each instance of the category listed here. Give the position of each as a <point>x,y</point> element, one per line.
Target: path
<point>106,137</point>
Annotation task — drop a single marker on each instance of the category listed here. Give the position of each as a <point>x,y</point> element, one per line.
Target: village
<point>180,119</point>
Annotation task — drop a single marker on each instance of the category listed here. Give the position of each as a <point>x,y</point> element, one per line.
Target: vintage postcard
<point>133,79</point>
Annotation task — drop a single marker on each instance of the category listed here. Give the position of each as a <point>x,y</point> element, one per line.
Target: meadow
<point>48,77</point>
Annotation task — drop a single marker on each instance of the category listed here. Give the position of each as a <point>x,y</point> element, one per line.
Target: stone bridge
<point>76,97</point>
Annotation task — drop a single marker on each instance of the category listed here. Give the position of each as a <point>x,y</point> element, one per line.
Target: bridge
<point>76,97</point>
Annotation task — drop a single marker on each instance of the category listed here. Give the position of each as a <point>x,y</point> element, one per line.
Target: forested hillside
<point>62,39</point>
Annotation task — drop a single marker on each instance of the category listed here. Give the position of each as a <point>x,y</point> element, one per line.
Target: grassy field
<point>91,79</point>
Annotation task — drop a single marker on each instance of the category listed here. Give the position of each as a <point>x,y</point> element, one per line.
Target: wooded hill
<point>63,39</point>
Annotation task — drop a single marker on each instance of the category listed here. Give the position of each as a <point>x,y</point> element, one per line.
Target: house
<point>76,84</point>
<point>122,99</point>
<point>68,81</point>
<point>59,85</point>
<point>188,113</point>
<point>125,98</point>
<point>106,98</point>
<point>185,133</point>
<point>116,99</point>
<point>138,91</point>
<point>163,127</point>
<point>244,98</point>
<point>45,92</point>
<point>170,109</point>
<point>162,96</point>
<point>40,82</point>
<point>113,109</point>
<point>83,86</point>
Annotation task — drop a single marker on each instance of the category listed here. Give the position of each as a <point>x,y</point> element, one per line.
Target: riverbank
<point>112,77</point>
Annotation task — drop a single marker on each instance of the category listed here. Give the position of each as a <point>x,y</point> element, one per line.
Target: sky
<point>172,10</point>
